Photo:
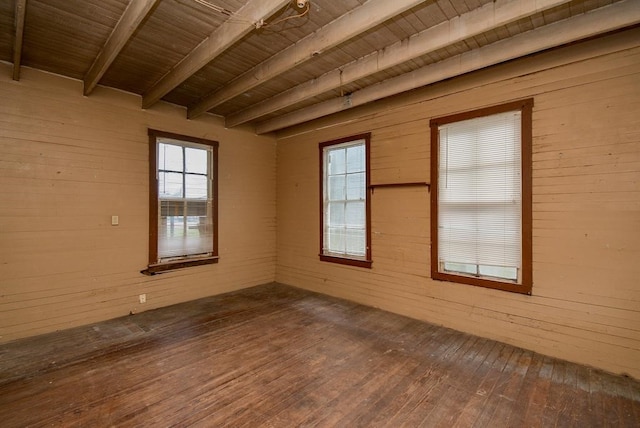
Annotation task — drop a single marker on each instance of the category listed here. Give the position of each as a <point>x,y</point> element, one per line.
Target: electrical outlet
<point>143,298</point>
<point>115,220</point>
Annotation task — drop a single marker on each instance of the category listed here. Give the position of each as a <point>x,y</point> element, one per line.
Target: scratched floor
<point>277,356</point>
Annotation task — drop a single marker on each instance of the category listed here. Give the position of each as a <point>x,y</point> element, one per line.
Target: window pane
<point>176,242</point>
<point>197,208</point>
<point>171,208</point>
<point>499,272</point>
<point>199,235</point>
<point>469,269</point>
<point>336,161</point>
<point>172,226</point>
<point>196,160</point>
<point>336,190</point>
<point>335,240</point>
<point>169,157</point>
<point>171,236</point>
<point>196,186</point>
<point>185,228</point>
<point>355,242</point>
<point>355,214</point>
<point>356,158</point>
<point>169,185</point>
<point>356,186</point>
<point>335,214</point>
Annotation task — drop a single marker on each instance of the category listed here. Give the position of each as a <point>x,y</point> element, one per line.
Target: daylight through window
<point>183,210</point>
<point>480,196</point>
<point>345,204</point>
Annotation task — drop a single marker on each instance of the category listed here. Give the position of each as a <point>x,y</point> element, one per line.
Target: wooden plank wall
<point>68,163</point>
<point>585,305</point>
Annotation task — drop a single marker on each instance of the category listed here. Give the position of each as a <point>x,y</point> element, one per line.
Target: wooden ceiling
<point>275,63</point>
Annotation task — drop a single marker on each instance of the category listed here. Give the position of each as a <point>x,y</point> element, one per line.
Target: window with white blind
<point>344,182</point>
<point>481,197</point>
<point>183,201</point>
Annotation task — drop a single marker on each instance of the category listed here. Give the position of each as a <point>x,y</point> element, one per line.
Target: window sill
<point>178,264</point>
<point>346,261</point>
<point>483,282</point>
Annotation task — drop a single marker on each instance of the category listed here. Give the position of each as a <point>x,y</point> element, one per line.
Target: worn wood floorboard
<point>277,356</point>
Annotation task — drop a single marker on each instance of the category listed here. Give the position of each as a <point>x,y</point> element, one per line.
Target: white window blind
<point>480,197</point>
<point>344,207</point>
<point>185,219</point>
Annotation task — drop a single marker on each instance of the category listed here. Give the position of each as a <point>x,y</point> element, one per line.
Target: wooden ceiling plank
<point>219,41</point>
<point>475,22</point>
<point>607,18</point>
<point>131,19</point>
<point>21,10</point>
<point>347,26</point>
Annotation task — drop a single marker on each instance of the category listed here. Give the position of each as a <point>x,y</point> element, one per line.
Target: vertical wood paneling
<point>67,164</point>
<point>585,305</point>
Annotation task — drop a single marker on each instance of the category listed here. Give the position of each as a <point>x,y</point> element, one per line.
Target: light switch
<point>115,220</point>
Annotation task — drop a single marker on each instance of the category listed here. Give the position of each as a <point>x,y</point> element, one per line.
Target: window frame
<point>365,261</point>
<point>154,266</point>
<point>525,107</point>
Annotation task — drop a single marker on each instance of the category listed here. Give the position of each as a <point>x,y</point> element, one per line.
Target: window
<point>183,205</point>
<point>345,218</point>
<point>481,197</point>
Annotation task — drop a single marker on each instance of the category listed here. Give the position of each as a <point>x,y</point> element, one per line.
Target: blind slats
<point>479,195</point>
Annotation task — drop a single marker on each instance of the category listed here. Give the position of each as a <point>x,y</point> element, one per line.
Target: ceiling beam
<point>607,18</point>
<point>21,10</point>
<point>480,20</point>
<point>218,41</point>
<point>134,14</point>
<point>365,17</point>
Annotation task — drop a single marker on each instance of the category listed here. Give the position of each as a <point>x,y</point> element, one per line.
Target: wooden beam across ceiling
<point>607,18</point>
<point>134,14</point>
<point>218,41</point>
<point>490,16</point>
<point>21,10</point>
<point>347,26</point>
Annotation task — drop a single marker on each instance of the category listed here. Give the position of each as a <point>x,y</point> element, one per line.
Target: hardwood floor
<point>277,356</point>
